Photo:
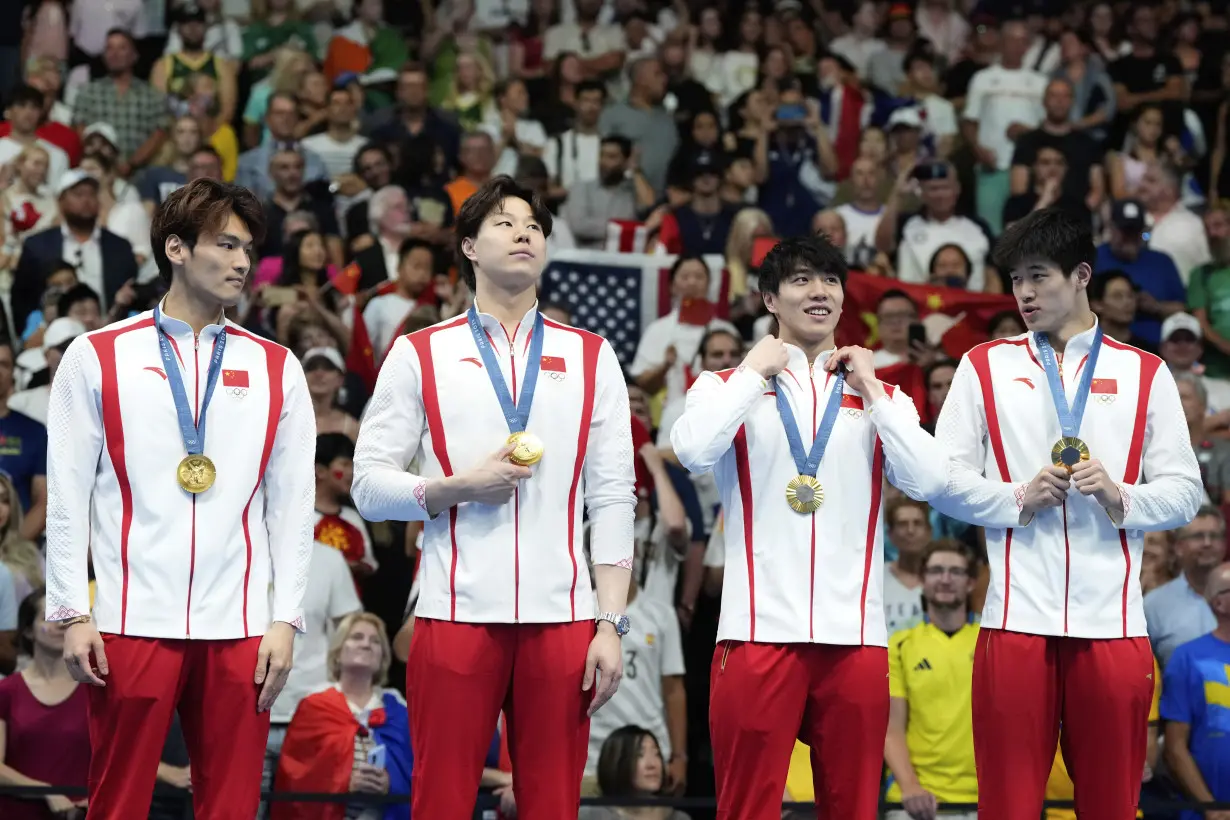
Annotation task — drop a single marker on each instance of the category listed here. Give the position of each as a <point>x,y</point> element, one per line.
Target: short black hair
<point>411,243</point>
<point>934,366</point>
<point>202,207</point>
<point>481,204</point>
<point>122,32</point>
<point>367,148</point>
<point>589,85</point>
<point>207,149</point>
<point>919,53</point>
<point>282,95</point>
<point>1053,235</point>
<point>25,94</point>
<point>1101,281</point>
<point>1003,316</point>
<point>332,446</point>
<point>625,144</point>
<point>817,253</point>
<point>714,332</point>
<point>27,614</point>
<point>895,293</point>
<point>77,293</point>
<point>683,259</point>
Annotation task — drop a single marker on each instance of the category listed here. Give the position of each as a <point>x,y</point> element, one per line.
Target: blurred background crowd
<point>674,142</point>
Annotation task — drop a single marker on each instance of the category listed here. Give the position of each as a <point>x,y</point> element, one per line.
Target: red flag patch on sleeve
<point>553,364</point>
<point>1105,386</point>
<point>234,378</point>
<point>852,401</point>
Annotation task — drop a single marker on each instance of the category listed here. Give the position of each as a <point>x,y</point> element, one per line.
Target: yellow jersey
<point>1059,784</point>
<point>934,673</point>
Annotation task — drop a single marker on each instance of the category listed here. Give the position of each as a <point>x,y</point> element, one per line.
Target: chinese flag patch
<point>1104,386</point>
<point>234,378</point>
<point>553,364</point>
<point>852,401</point>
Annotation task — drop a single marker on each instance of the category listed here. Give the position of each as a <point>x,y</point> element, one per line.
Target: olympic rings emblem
<point>237,392</point>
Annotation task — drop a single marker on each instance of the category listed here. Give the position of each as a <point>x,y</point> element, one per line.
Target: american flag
<point>617,295</point>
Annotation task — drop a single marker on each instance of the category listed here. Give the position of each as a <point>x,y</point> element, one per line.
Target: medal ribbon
<point>193,433</point>
<point>516,413</point>
<point>1069,418</point>
<point>809,462</point>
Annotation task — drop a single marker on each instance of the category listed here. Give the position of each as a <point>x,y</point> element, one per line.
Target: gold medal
<point>1068,452</point>
<point>196,474</point>
<point>804,494</point>
<point>528,449</point>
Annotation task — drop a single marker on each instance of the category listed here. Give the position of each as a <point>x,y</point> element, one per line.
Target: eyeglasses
<point>1212,537</point>
<point>939,572</point>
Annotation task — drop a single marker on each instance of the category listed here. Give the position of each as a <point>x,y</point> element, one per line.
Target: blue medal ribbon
<point>1069,418</point>
<point>192,432</point>
<point>809,462</point>
<point>516,413</point>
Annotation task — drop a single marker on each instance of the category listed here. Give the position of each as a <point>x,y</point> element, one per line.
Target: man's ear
<point>177,250</point>
<point>467,249</point>
<point>770,301</point>
<point>1083,275</point>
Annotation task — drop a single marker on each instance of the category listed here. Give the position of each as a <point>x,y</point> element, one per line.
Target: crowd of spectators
<point>912,133</point>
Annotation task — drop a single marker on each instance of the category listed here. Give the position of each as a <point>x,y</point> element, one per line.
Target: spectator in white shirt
<point>601,47</point>
<point>862,214</point>
<point>909,529</point>
<point>1004,102</point>
<point>861,42</point>
<point>340,142</point>
<point>939,118</point>
<point>386,313</point>
<point>33,401</point>
<point>513,133</point>
<point>1174,229</point>
<point>572,156</point>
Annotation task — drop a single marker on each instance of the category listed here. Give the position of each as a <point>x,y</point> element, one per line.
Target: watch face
<point>623,625</point>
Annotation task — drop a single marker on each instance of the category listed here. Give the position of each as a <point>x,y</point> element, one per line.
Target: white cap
<point>1181,321</point>
<point>104,129</point>
<point>905,116</point>
<point>60,331</point>
<point>329,354</point>
<point>71,179</point>
<point>378,76</point>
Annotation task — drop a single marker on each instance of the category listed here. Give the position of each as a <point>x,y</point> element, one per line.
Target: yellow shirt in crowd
<point>1059,784</point>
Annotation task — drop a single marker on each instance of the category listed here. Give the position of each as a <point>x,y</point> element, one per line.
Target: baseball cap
<point>346,78</point>
<point>104,129</point>
<point>706,162</point>
<point>1128,215</point>
<point>60,331</point>
<point>378,76</point>
<point>1181,321</point>
<point>71,179</point>
<point>329,354</point>
<point>899,11</point>
<point>189,13</point>
<point>907,117</point>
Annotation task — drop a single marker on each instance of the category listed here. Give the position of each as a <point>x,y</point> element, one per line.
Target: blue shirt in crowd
<point>1152,272</point>
<point>23,452</point>
<point>1196,691</point>
<point>1175,614</point>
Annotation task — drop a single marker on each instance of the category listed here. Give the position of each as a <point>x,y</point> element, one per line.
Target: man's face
<point>412,89</point>
<point>922,74</point>
<point>193,34</point>
<point>938,385</point>
<point>1154,189</point>
<point>1014,42</point>
<point>186,136</point>
<point>1124,244</point>
<point>611,163</point>
<point>119,56</point>
<point>1049,164</point>
<point>589,107</point>
<point>477,155</point>
<point>25,117</point>
<point>516,98</point>
<point>87,312</point>
<point>721,352</point>
<point>341,107</point>
<point>509,248</point>
<point>1144,24</point>
<point>218,265</point>
<point>98,145</point>
<point>1118,303</point>
<point>1181,349</point>
<point>80,203</point>
<point>1044,295</point>
<point>910,531</point>
<point>1201,545</point>
<point>1194,407</point>
<point>831,225</point>
<point>865,179</point>
<point>395,221</point>
<point>204,165</point>
<point>375,170</point>
<point>587,10</point>
<point>808,303</point>
<point>282,119</point>
<point>1217,225</point>
<point>893,317</point>
<point>286,168</point>
<point>706,183</point>
<point>947,583</point>
<point>939,196</point>
<point>1058,101</point>
<point>652,79</point>
<point>638,405</point>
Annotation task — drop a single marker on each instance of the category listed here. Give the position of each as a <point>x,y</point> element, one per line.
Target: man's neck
<point>1015,66</point>
<point>1057,128</point>
<point>342,132</point>
<point>391,242</point>
<point>122,80</point>
<point>586,129</point>
<point>356,687</point>
<point>1142,49</point>
<point>948,619</point>
<point>1074,326</point>
<point>897,348</point>
<point>508,307</point>
<point>909,563</point>
<point>479,180</point>
<point>413,116</point>
<point>326,501</point>
<point>191,308</point>
<point>637,99</point>
<point>868,205</point>
<point>1119,331</point>
<point>82,234</point>
<point>810,349</point>
<point>23,137</point>
<point>707,204</point>
<point>1197,579</point>
<point>287,202</point>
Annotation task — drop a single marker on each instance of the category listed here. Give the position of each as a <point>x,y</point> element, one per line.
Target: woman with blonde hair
<point>21,557</point>
<point>749,225</point>
<point>470,93</point>
<point>290,68</point>
<point>24,208</point>
<point>352,737</point>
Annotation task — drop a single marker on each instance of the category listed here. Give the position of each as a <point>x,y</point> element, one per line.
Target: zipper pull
<point>196,341</point>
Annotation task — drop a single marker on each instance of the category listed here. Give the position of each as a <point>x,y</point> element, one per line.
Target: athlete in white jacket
<point>1066,467</point>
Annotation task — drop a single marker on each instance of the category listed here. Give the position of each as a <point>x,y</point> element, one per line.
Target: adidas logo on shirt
<point>923,666</point>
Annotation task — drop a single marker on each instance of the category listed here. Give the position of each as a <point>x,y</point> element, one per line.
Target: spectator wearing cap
<point>939,117</point>
<point>1003,103</point>
<point>1085,179</point>
<point>702,225</point>
<point>1182,349</point>
<point>620,192</point>
<point>281,118</point>
<point>1160,288</point>
<point>172,72</point>
<point>644,121</point>
<point>102,260</point>
<point>905,132</point>
<point>326,374</point>
<point>223,36</point>
<point>860,43</point>
<point>340,142</point>
<point>1112,296</point>
<point>367,44</point>
<point>1177,612</point>
<point>32,401</point>
<point>1173,229</point>
<point>134,108</point>
<point>23,454</point>
<point>886,67</point>
<point>25,109</point>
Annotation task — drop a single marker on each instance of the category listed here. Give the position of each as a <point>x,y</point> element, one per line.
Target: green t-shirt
<point>259,38</point>
<point>1209,289</point>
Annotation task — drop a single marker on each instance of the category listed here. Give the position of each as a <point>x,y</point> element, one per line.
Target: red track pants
<point>210,682</point>
<point>1025,686</point>
<point>833,698</point>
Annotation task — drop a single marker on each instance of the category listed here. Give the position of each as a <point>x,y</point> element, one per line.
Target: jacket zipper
<point>1067,548</point>
<point>196,398</point>
<point>512,367</point>
<point>811,609</point>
